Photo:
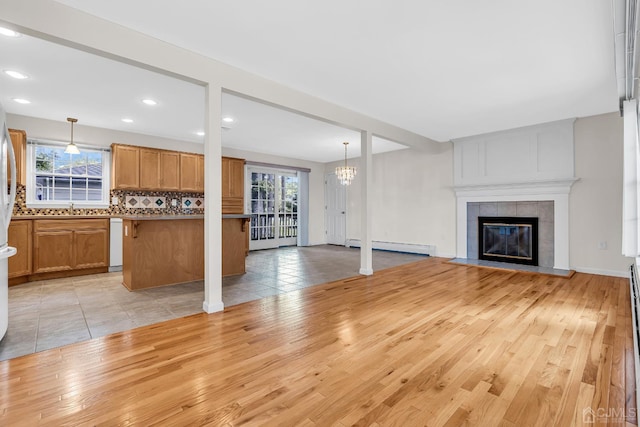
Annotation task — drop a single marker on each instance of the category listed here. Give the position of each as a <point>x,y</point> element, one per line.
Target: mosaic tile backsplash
<point>128,203</point>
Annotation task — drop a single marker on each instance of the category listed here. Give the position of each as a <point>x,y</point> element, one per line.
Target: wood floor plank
<point>429,343</point>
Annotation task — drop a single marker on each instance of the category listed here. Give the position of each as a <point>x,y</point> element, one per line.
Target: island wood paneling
<point>234,245</point>
<point>162,252</point>
<point>429,343</point>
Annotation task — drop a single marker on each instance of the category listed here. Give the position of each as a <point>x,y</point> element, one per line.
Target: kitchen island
<point>167,250</point>
<point>162,250</point>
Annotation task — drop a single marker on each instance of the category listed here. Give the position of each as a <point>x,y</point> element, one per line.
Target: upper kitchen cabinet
<point>141,168</point>
<point>150,175</point>
<point>125,167</point>
<point>189,173</point>
<point>170,170</point>
<point>200,174</point>
<point>19,143</point>
<point>232,185</point>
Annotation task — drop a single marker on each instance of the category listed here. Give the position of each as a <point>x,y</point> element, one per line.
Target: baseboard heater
<point>410,248</point>
<point>635,315</point>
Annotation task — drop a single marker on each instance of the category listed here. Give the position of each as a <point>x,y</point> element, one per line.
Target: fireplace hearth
<point>508,239</point>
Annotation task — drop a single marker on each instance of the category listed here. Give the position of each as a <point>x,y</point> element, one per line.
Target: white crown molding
<point>538,187</point>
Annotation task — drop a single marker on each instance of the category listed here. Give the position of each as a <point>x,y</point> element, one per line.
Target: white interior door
<point>273,207</point>
<point>335,210</point>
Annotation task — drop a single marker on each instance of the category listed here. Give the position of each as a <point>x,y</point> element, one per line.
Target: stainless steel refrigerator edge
<point>7,160</point>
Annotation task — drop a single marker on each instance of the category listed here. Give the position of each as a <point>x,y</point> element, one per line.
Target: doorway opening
<point>273,196</point>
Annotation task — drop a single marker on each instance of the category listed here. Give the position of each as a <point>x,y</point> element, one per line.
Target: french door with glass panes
<point>273,207</point>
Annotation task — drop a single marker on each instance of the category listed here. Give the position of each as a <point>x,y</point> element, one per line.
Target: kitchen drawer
<point>69,224</point>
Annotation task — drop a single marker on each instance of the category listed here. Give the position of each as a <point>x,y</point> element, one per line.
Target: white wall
<point>316,186</point>
<point>531,154</point>
<point>61,131</point>
<point>412,197</point>
<point>595,201</point>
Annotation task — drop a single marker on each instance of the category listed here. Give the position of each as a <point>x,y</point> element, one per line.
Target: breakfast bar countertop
<point>159,217</point>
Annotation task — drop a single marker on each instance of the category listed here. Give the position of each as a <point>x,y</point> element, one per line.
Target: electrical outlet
<point>114,200</point>
<point>602,245</point>
<point>174,202</point>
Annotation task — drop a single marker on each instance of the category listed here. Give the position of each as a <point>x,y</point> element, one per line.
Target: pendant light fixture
<point>345,173</point>
<point>71,147</point>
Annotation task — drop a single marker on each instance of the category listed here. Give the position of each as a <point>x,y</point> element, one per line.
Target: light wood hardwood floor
<point>430,343</point>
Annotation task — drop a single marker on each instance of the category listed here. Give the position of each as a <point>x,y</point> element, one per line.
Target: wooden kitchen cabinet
<point>170,171</point>
<point>200,174</point>
<point>232,185</point>
<point>19,143</point>
<point>20,235</point>
<point>92,248</point>
<point>140,168</point>
<point>61,245</point>
<point>125,167</point>
<point>149,169</point>
<point>189,172</point>
<point>53,251</point>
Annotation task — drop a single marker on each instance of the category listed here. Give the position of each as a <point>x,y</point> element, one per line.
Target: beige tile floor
<point>53,313</point>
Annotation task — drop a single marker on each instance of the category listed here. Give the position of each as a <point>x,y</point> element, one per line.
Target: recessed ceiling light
<point>228,119</point>
<point>22,101</point>
<point>149,102</point>
<point>200,133</point>
<point>9,33</point>
<point>16,74</point>
<point>127,120</point>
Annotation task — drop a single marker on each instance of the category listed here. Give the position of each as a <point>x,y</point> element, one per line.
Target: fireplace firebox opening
<point>508,239</point>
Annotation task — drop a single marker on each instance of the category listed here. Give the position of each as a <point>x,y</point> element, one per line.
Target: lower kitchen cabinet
<point>92,248</point>
<point>53,251</point>
<point>20,238</point>
<point>70,244</point>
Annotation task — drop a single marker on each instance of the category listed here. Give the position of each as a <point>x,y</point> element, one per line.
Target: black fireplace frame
<point>482,220</point>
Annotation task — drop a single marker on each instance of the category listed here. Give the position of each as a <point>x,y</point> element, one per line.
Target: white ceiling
<point>440,69</point>
<point>64,82</point>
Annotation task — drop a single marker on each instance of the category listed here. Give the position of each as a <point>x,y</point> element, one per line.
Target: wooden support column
<point>213,202</point>
<point>366,178</point>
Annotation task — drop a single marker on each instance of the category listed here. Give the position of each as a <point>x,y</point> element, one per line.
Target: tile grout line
<point>84,317</point>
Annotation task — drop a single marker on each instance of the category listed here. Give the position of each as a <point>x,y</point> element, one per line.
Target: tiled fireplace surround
<point>543,210</point>
<point>549,199</point>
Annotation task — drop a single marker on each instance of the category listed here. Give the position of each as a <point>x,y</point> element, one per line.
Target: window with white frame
<point>57,179</point>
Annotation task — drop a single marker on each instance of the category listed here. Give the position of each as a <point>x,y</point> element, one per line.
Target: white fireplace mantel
<point>544,190</point>
<point>534,163</point>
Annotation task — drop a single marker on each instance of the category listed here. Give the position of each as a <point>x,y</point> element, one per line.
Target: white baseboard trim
<point>212,307</point>
<point>444,255</point>
<point>366,271</point>
<point>601,272</point>
<point>395,247</point>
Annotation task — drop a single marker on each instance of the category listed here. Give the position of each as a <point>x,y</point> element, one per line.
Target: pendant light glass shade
<point>346,173</point>
<point>71,147</point>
